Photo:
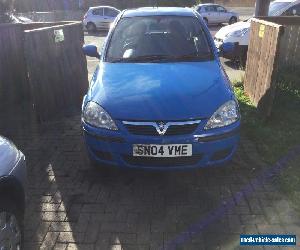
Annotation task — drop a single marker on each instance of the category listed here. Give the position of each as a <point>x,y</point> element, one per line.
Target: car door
<point>98,17</point>
<point>210,14</point>
<point>109,16</point>
<point>292,11</point>
<point>222,15</point>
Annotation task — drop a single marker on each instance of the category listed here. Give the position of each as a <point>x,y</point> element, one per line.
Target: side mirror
<point>91,50</point>
<point>227,48</point>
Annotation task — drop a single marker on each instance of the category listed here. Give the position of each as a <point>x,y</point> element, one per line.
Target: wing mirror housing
<point>227,48</point>
<point>91,50</point>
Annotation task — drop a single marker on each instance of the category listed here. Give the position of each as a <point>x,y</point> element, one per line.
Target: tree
<point>6,7</point>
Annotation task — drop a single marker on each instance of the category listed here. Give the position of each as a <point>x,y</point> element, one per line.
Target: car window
<point>110,12</point>
<point>199,9</point>
<point>221,9</point>
<point>161,36</point>
<point>292,11</point>
<point>275,7</point>
<point>210,8</point>
<point>98,12</point>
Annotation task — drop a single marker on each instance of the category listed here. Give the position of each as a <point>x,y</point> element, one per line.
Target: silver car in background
<point>12,195</point>
<point>216,14</point>
<point>99,17</point>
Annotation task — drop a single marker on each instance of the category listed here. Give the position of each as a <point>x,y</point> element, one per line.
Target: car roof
<point>285,1</point>
<point>208,4</point>
<point>159,11</point>
<point>102,6</point>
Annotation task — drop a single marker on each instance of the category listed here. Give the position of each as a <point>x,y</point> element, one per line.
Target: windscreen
<point>277,6</point>
<point>159,37</point>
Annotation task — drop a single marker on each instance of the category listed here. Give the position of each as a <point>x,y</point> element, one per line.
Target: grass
<point>275,136</point>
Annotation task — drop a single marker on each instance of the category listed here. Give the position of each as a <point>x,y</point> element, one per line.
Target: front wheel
<point>91,27</point>
<point>11,225</point>
<point>233,20</point>
<point>243,58</point>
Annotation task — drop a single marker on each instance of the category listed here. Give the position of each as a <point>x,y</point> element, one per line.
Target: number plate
<point>172,150</point>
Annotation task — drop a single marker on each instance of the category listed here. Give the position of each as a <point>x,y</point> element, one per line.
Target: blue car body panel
<point>160,91</point>
<point>168,91</point>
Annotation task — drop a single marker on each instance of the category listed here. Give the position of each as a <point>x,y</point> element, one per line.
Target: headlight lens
<point>238,33</point>
<point>227,114</point>
<point>96,116</point>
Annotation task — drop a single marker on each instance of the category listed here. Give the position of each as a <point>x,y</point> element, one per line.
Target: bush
<point>6,6</point>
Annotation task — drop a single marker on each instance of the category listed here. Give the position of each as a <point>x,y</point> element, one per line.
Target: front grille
<point>151,130</point>
<point>181,129</point>
<point>162,161</point>
<point>141,130</point>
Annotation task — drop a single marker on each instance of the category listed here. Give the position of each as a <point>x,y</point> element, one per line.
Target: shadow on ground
<point>73,206</point>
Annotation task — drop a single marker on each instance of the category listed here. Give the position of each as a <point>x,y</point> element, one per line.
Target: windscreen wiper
<point>146,58</point>
<point>160,58</point>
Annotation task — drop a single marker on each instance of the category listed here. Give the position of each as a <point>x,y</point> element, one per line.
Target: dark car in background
<point>12,195</point>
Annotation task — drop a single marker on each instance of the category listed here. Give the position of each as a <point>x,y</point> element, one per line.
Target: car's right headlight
<point>96,116</point>
<point>227,114</point>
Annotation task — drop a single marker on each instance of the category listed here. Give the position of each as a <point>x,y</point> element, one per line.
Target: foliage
<point>276,136</point>
<point>6,6</point>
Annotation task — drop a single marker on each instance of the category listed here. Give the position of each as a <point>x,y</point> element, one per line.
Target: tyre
<point>11,225</point>
<point>233,20</point>
<point>243,57</point>
<point>91,27</point>
<point>205,20</point>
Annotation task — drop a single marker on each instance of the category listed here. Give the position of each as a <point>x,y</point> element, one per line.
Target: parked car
<point>99,17</point>
<point>216,14</point>
<point>12,195</point>
<point>239,32</point>
<point>159,98</point>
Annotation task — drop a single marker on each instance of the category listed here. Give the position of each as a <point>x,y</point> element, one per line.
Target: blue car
<point>159,98</point>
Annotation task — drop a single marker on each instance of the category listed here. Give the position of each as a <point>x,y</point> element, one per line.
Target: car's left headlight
<point>227,114</point>
<point>96,116</point>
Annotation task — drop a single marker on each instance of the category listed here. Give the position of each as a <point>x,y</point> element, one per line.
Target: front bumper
<point>215,147</point>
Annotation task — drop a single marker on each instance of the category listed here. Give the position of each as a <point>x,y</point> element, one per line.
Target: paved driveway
<point>73,206</point>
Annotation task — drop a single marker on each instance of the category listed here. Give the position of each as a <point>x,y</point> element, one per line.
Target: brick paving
<point>70,205</point>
